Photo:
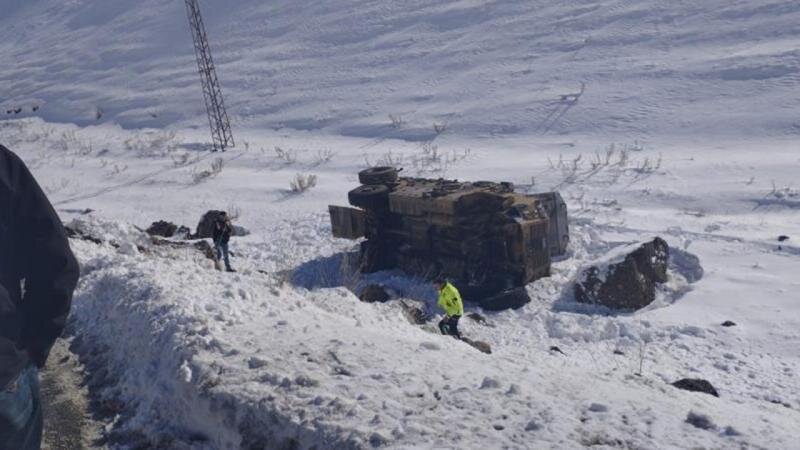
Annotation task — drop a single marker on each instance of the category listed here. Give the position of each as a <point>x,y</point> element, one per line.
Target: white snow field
<point>687,128</point>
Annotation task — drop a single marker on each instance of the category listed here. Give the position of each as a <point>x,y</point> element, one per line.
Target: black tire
<point>510,299</point>
<point>378,175</point>
<point>370,197</point>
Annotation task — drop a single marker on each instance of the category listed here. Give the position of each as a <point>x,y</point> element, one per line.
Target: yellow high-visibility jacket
<point>450,300</point>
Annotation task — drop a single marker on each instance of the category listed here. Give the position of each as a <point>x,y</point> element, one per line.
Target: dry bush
<point>152,143</point>
<point>301,183</point>
<point>397,121</point>
<point>206,174</point>
<point>323,157</point>
<point>389,159</point>
<point>287,157</point>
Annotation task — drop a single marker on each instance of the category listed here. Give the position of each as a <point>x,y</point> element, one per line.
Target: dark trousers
<point>449,325</point>
<point>222,253</point>
<point>21,413</point>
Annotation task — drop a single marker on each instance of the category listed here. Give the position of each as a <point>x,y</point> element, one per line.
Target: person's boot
<point>230,269</point>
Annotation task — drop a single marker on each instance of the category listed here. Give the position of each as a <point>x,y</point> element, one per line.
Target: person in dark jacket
<point>222,235</point>
<point>38,274</point>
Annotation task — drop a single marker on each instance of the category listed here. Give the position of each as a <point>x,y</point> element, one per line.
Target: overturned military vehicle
<point>486,238</point>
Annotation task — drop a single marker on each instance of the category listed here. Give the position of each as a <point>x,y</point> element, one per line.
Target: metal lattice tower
<point>217,116</point>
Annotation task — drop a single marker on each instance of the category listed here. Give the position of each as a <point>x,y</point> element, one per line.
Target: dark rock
<point>477,318</point>
<point>629,284</point>
<point>377,440</point>
<point>374,293</point>
<point>162,228</point>
<point>339,370</point>
<point>555,349</point>
<point>490,383</point>
<point>183,233</point>
<point>783,238</point>
<point>701,421</point>
<point>77,234</point>
<point>481,346</point>
<point>598,407</point>
<point>728,323</point>
<point>509,299</point>
<point>533,426</point>
<point>619,352</point>
<point>730,431</point>
<point>256,363</point>
<point>414,314</point>
<point>696,385</point>
<point>498,427</point>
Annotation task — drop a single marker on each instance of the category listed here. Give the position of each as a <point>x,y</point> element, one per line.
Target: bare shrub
<point>301,183</point>
<point>57,187</point>
<point>612,164</point>
<point>397,121</point>
<point>433,160</point>
<point>648,166</point>
<point>439,127</point>
<point>199,176</point>
<point>152,143</point>
<point>234,212</point>
<point>183,159</point>
<point>323,157</point>
<point>785,192</point>
<point>389,159</point>
<point>287,157</point>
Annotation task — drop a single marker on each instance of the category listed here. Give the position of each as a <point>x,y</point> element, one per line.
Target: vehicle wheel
<point>378,175</point>
<point>510,299</point>
<point>370,197</point>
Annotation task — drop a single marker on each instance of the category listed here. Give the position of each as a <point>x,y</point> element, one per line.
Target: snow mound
<point>217,360</point>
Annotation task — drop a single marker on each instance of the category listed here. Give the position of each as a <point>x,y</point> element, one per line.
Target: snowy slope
<point>651,68</point>
<point>219,361</point>
<point>687,129</point>
<point>222,361</point>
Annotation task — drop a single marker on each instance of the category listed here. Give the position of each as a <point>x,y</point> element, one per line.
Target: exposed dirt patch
<point>68,423</point>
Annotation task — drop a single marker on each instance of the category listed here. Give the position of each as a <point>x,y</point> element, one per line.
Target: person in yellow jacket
<point>450,301</point>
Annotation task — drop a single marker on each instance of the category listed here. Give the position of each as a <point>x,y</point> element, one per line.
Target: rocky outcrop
<point>696,385</point>
<point>628,284</point>
<point>162,228</point>
<point>374,293</point>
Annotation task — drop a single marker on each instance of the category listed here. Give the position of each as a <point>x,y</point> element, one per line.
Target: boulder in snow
<point>414,314</point>
<point>696,385</point>
<point>701,421</point>
<point>374,293</point>
<point>628,284</point>
<point>481,346</point>
<point>162,228</point>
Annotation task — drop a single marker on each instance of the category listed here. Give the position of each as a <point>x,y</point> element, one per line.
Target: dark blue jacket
<point>38,271</point>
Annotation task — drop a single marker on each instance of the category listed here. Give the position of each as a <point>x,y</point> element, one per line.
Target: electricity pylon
<point>215,106</point>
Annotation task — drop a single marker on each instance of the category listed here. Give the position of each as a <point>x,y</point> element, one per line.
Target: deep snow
<point>687,129</point>
<point>651,68</point>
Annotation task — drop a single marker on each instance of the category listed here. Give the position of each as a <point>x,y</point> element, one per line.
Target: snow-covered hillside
<point>651,68</point>
<point>686,128</point>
